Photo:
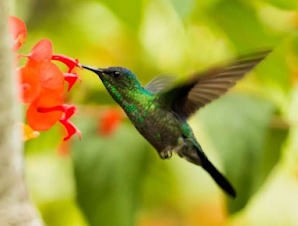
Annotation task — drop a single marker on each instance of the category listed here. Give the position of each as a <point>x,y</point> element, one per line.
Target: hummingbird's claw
<point>166,154</point>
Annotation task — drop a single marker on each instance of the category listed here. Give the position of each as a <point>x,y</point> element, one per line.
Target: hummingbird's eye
<point>116,74</point>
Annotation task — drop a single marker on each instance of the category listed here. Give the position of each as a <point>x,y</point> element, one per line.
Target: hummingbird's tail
<point>217,176</point>
<point>197,156</point>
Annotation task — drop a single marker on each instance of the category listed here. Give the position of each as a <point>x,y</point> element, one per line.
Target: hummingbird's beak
<point>98,71</point>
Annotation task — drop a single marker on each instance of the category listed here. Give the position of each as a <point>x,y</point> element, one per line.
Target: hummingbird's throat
<point>125,100</point>
<point>117,95</point>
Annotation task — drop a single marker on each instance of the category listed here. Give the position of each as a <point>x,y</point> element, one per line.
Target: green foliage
<point>45,143</point>
<point>184,8</point>
<point>274,72</point>
<point>238,126</point>
<point>109,174</point>
<point>282,4</point>
<point>241,24</point>
<point>129,11</point>
<point>275,139</point>
<point>61,213</point>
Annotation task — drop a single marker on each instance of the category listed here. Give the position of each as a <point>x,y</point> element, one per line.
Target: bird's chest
<point>158,126</point>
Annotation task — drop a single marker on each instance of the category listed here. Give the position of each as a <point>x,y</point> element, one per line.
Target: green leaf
<point>109,172</point>
<point>283,4</point>
<point>129,11</point>
<point>272,152</point>
<point>240,23</point>
<point>274,72</point>
<point>183,8</point>
<point>294,44</point>
<point>46,142</point>
<point>61,212</point>
<point>239,126</point>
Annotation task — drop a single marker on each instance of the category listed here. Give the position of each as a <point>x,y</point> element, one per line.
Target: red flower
<point>40,57</point>
<point>66,110</point>
<point>71,129</point>
<point>18,31</point>
<point>30,83</point>
<point>42,83</point>
<point>42,51</point>
<point>64,149</point>
<point>69,62</point>
<point>39,119</point>
<point>71,78</point>
<point>51,77</point>
<point>110,121</point>
<point>36,77</point>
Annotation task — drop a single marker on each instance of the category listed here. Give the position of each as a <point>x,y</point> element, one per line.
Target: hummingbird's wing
<point>202,88</point>
<point>159,84</point>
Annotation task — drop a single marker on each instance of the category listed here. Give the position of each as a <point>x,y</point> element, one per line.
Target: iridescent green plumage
<point>160,110</point>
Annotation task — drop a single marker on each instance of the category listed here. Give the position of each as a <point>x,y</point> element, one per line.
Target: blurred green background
<point>250,134</point>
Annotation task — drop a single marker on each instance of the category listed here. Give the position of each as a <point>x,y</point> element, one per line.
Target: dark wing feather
<point>203,88</point>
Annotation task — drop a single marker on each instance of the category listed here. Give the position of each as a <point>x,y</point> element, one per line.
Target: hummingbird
<point>159,110</point>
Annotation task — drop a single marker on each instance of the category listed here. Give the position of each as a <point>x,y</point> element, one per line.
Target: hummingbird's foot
<point>166,154</point>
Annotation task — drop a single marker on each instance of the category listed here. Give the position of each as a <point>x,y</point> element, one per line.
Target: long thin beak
<point>98,71</point>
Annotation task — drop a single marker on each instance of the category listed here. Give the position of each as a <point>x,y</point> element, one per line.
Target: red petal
<point>44,121</point>
<point>18,30</point>
<point>64,149</point>
<point>71,78</point>
<point>50,75</point>
<point>69,62</point>
<point>42,51</point>
<point>71,129</point>
<point>110,121</point>
<point>66,109</point>
<point>69,112</point>
<point>50,109</point>
<point>30,84</point>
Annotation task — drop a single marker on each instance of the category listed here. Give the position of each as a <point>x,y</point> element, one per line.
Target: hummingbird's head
<point>117,77</point>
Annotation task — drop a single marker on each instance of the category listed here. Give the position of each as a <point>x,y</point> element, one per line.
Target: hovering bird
<point>160,110</point>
